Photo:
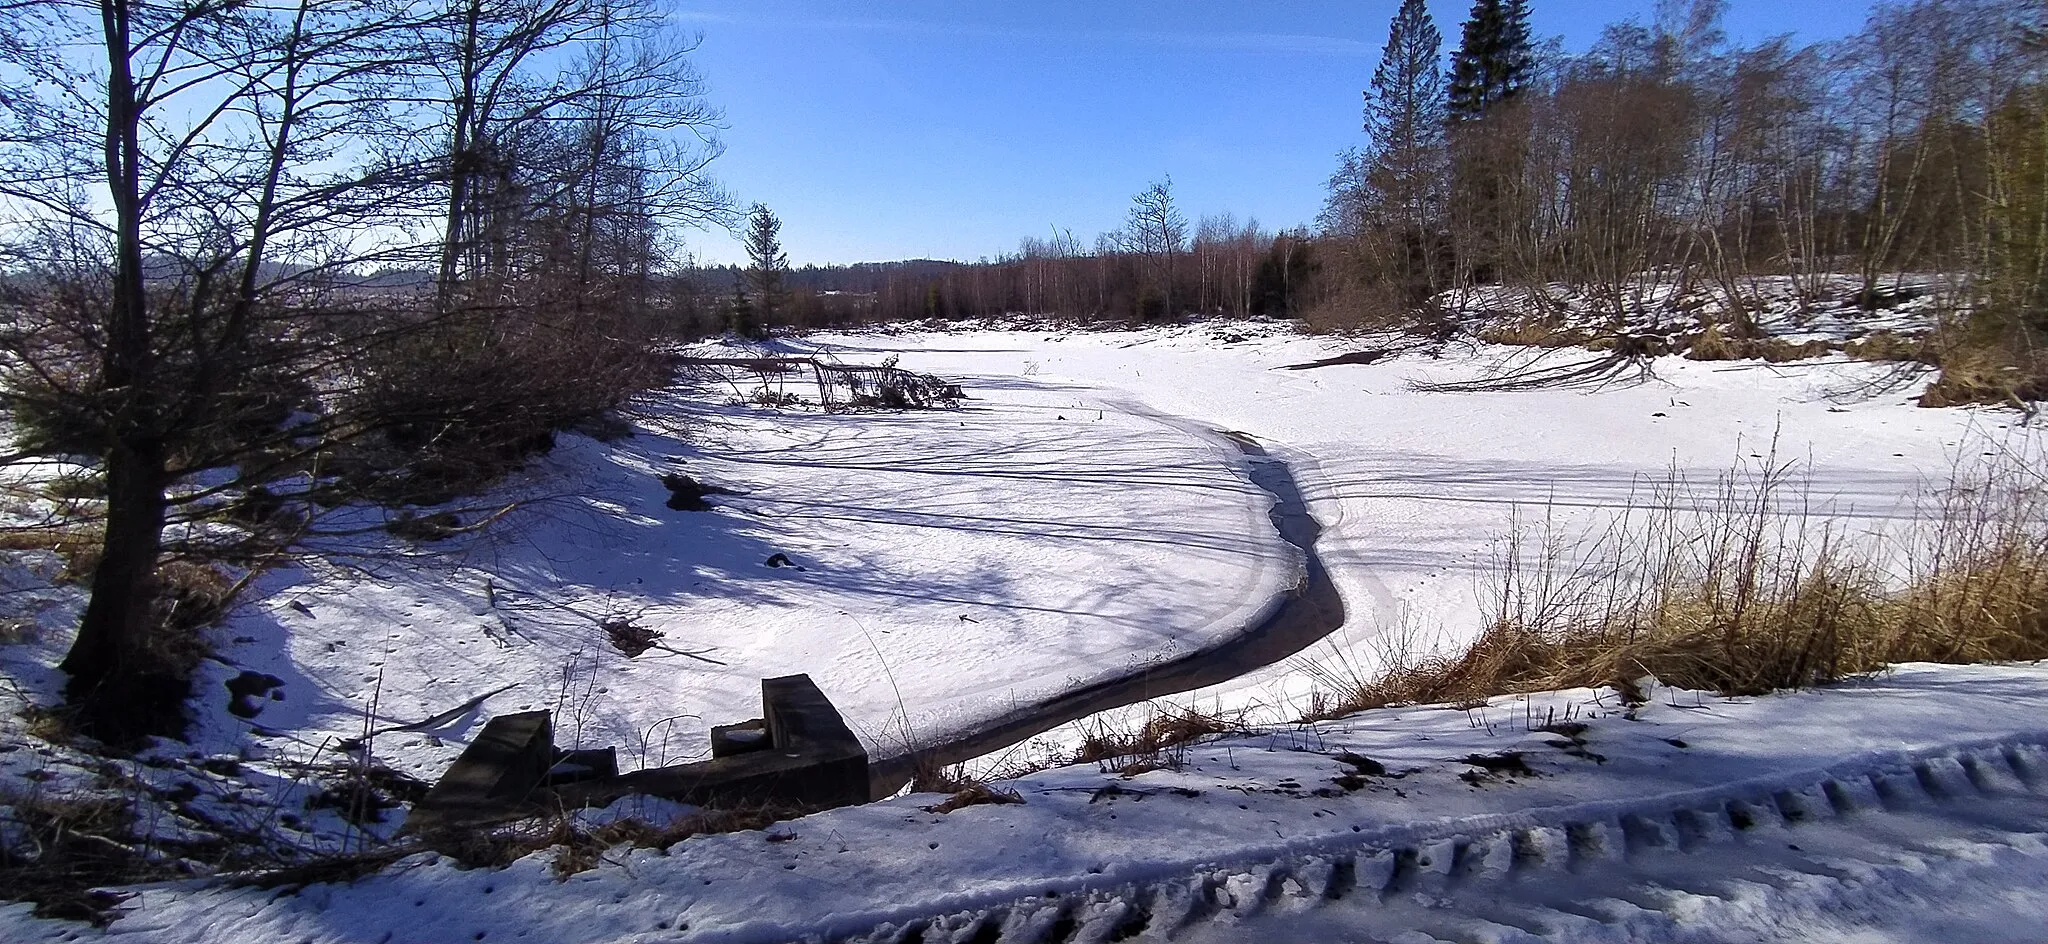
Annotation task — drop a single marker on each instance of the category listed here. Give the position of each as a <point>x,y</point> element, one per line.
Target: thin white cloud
<point>701,16</point>
<point>1252,43</point>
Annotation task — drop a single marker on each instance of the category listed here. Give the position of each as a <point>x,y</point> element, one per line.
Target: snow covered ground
<point>1082,515</point>
<point>1078,518</point>
<point>945,567</point>
<point>1900,808</point>
<point>1418,491</point>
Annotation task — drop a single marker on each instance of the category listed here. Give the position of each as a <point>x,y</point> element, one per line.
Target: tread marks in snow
<point>1638,871</point>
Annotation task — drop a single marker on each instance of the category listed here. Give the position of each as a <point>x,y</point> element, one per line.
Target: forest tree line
<point>1217,266</point>
<point>1664,155</point>
<point>1667,154</point>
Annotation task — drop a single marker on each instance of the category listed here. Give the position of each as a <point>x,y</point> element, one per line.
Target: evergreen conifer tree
<point>1389,198</point>
<point>1404,113</point>
<point>739,312</point>
<point>766,263</point>
<point>1405,109</point>
<point>1496,58</point>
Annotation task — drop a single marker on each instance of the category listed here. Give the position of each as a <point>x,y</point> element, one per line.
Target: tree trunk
<point>119,690</point>
<point>118,693</point>
<point>462,164</point>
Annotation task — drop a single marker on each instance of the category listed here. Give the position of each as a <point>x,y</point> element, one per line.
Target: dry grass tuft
<point>53,724</point>
<point>928,776</point>
<point>425,529</point>
<point>1533,332</point>
<point>79,547</point>
<point>1377,310</point>
<point>1891,347</point>
<point>577,848</point>
<point>190,596</point>
<point>1160,742</point>
<point>1780,351</point>
<point>1748,591</point>
<point>582,850</point>
<point>327,870</point>
<point>1999,371</point>
<point>629,637</point>
<point>63,848</point>
<point>975,794</point>
<point>79,487</point>
<point>1717,344</point>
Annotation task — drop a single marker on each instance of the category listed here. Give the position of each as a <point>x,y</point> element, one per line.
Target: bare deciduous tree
<point>199,195</point>
<point>1157,233</point>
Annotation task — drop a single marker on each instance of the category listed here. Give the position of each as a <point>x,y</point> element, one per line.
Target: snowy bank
<point>1428,780</point>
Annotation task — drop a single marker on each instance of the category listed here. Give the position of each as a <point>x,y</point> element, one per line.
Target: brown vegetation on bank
<point>1748,591</point>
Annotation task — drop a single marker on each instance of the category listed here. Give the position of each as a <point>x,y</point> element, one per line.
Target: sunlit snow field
<point>1418,493</point>
<point>1078,517</point>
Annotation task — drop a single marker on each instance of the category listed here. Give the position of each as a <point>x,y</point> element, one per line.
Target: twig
<point>433,722</point>
<point>691,655</point>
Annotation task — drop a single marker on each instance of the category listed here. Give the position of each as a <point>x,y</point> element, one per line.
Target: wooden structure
<point>800,753</point>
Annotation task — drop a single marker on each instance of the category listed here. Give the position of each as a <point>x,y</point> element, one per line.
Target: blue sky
<point>922,128</point>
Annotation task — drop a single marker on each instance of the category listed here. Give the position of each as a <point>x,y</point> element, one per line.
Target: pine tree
<point>766,263</point>
<point>1496,58</point>
<point>1519,65</point>
<point>1389,197</point>
<point>1404,112</point>
<point>739,312</point>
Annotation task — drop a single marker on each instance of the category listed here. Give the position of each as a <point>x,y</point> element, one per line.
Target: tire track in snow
<point>1891,846</point>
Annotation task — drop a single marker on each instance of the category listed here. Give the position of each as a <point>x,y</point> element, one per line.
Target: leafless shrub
<point>1623,362</point>
<point>448,410</point>
<point>775,399</point>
